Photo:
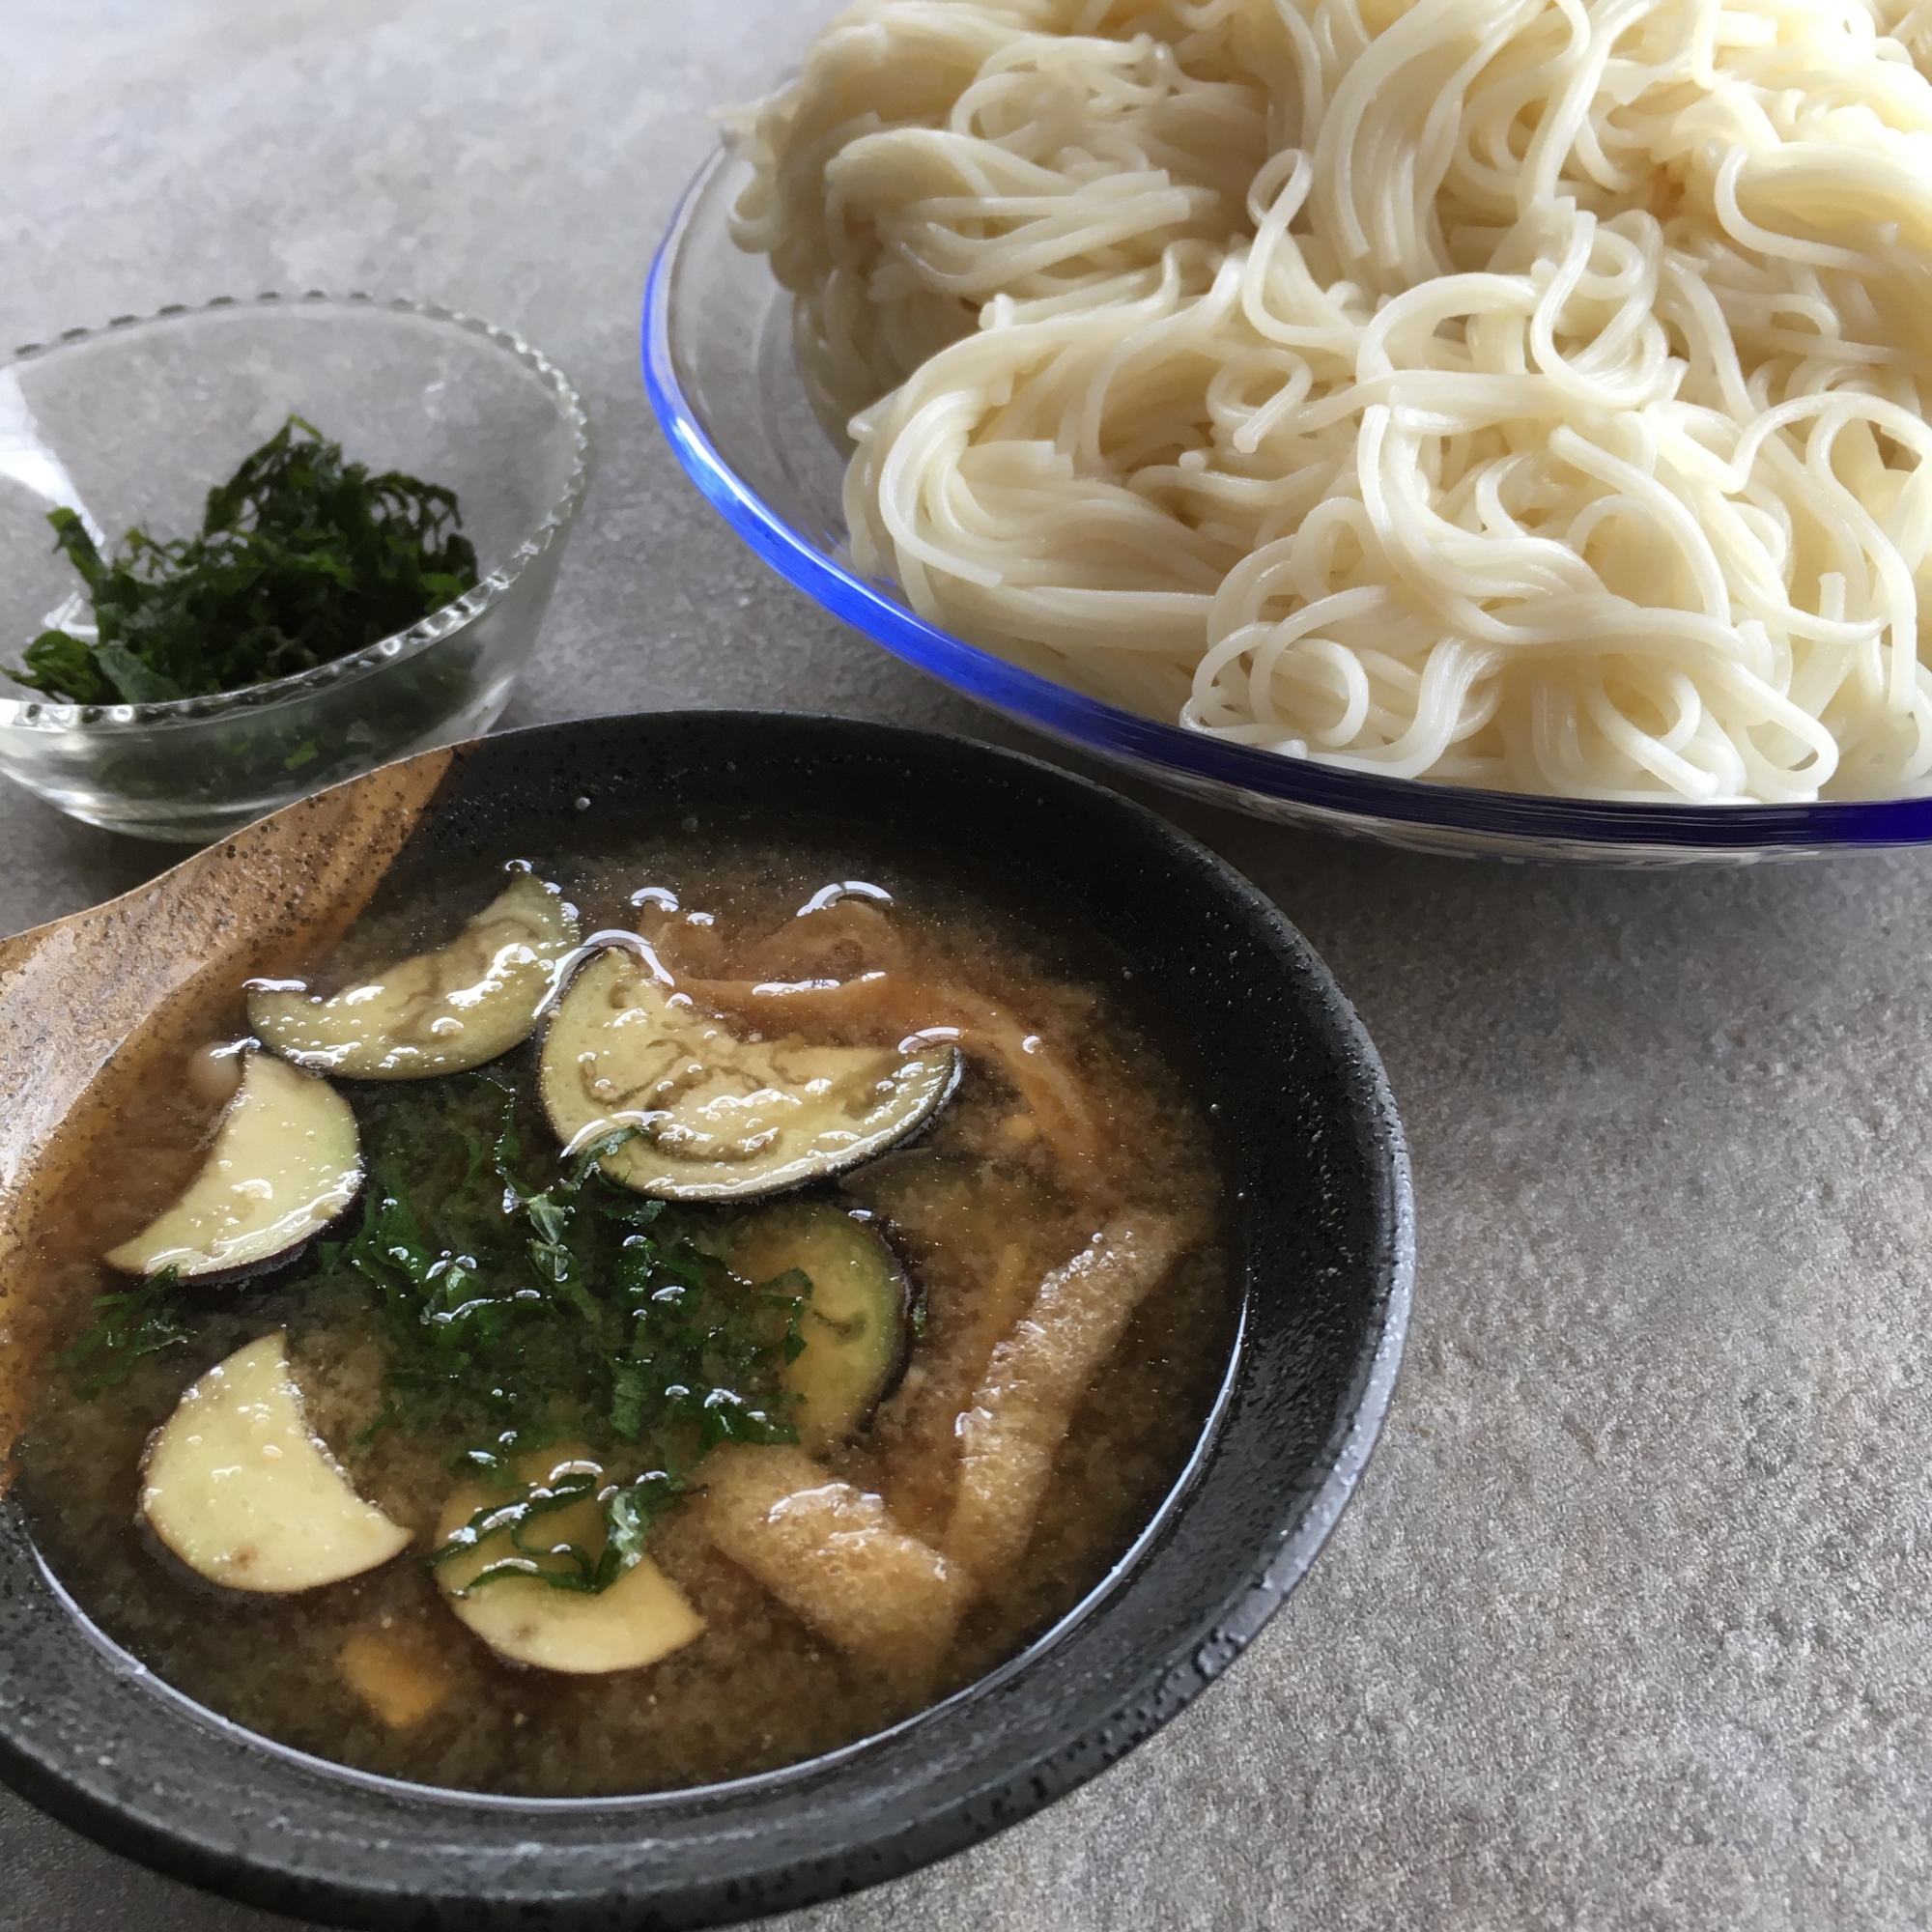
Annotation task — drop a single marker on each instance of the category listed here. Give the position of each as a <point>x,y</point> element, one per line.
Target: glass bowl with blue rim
<point>130,424</point>
<point>718,368</point>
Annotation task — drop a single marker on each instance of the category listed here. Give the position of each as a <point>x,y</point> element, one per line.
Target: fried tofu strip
<point>833,1555</point>
<point>400,1678</point>
<point>1035,1382</point>
<point>921,1422</point>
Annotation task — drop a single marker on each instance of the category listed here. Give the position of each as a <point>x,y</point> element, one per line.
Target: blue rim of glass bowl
<point>44,715</point>
<point>1167,752</point>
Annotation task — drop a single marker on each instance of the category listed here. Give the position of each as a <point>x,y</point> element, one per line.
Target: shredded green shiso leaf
<point>141,1321</point>
<point>519,1314</point>
<point>302,557</point>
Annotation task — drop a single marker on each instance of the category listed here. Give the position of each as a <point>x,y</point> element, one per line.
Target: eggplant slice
<point>438,1013</point>
<point>856,1324</point>
<point>718,1118</point>
<point>238,1485</point>
<point>285,1162</point>
<point>640,1618</point>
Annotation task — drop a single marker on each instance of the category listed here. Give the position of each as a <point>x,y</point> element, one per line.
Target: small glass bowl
<point>134,422</point>
<point>719,367</point>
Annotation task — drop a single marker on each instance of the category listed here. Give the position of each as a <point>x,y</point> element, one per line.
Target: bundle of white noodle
<point>1514,393</point>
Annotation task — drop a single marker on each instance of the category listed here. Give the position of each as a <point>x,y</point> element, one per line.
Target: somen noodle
<point>1515,393</point>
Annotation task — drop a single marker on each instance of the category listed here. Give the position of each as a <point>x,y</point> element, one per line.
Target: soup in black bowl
<point>785,1291</point>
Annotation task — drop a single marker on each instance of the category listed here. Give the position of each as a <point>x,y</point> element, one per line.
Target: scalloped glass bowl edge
<point>682,365</point>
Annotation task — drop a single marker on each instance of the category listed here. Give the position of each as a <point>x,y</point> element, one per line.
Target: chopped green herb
<point>303,558</point>
<point>142,1320</point>
<point>516,1314</point>
<point>629,1512</point>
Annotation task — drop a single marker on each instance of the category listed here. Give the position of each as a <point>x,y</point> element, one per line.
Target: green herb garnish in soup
<point>570,1367</point>
<point>138,1321</point>
<point>302,557</point>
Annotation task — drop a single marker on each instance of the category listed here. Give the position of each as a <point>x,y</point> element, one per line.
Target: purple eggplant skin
<point>912,1306</point>
<point>912,1298</point>
<point>898,1266</point>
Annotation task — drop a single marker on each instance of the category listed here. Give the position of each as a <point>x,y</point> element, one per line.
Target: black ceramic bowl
<point>1322,1240</point>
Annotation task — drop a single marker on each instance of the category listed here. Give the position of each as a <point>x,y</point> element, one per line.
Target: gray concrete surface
<point>1629,1627</point>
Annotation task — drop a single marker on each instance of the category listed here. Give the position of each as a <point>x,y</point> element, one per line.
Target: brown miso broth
<point>1070,1132</point>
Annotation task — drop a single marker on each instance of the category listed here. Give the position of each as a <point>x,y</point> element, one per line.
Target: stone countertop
<point>1628,1626</point>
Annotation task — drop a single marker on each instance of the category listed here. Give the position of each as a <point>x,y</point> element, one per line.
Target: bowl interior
<point>135,422</point>
<point>1321,1245</point>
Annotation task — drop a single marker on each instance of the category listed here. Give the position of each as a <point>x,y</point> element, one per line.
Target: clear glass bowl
<point>133,423</point>
<point>718,363</point>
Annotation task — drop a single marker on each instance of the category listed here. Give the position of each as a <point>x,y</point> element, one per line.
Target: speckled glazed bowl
<point>1320,1237</point>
